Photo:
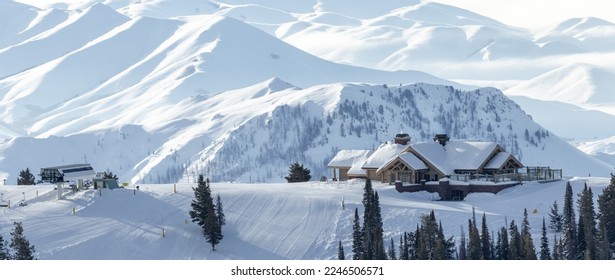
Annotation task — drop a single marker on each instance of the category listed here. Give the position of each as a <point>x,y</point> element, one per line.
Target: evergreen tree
<point>204,213</point>
<point>373,233</point>
<point>504,254</point>
<point>581,245</point>
<point>220,212</point>
<point>462,246</point>
<point>606,209</point>
<point>587,216</point>
<point>298,173</point>
<point>556,249</point>
<point>340,252</point>
<point>498,247</point>
<point>421,251</point>
<point>545,254</point>
<point>445,248</point>
<point>357,238</point>
<point>528,252</point>
<point>26,178</point>
<point>403,247</point>
<point>109,175</point>
<point>4,251</point>
<point>391,253</point>
<point>514,246</point>
<point>410,240</point>
<point>474,248</point>
<point>485,239</point>
<point>427,233</point>
<point>379,252</point>
<point>555,218</point>
<point>603,250</point>
<point>22,250</point>
<point>569,226</point>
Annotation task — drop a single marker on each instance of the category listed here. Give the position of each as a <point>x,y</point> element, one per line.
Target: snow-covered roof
<point>409,159</point>
<point>346,158</point>
<point>383,154</point>
<point>356,170</point>
<point>498,160</point>
<point>462,155</point>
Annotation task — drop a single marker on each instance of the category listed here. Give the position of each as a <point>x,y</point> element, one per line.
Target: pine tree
<point>603,250</point>
<point>528,252</point>
<point>403,247</point>
<point>555,218</point>
<point>581,245</point>
<point>485,239</point>
<point>373,233</point>
<point>514,246</point>
<point>298,173</point>
<point>545,254</point>
<point>587,216</point>
<point>220,211</point>
<point>340,252</point>
<point>26,178</point>
<point>569,226</point>
<point>606,209</point>
<point>556,249</point>
<point>504,254</point>
<point>204,213</point>
<point>379,253</point>
<point>109,175</point>
<point>22,250</point>
<point>445,248</point>
<point>474,245</point>
<point>462,246</point>
<point>391,253</point>
<point>357,238</point>
<point>4,251</point>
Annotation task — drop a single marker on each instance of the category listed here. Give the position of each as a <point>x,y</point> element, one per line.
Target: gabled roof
<point>455,155</point>
<point>383,154</point>
<point>346,158</point>
<point>407,158</point>
<point>499,160</point>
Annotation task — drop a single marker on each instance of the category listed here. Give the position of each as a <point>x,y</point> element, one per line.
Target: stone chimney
<point>402,139</point>
<point>441,138</point>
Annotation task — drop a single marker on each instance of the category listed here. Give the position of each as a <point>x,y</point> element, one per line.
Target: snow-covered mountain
<point>167,60</point>
<point>252,134</point>
<point>583,85</point>
<point>602,149</point>
<point>160,99</point>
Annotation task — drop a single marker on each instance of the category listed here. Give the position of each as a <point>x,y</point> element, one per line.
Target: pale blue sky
<point>535,14</point>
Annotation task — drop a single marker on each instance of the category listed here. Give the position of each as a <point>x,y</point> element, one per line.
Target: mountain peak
<point>578,83</point>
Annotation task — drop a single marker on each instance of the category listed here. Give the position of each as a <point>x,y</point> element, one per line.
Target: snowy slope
<point>264,221</point>
<point>602,149</point>
<point>251,134</point>
<point>566,120</point>
<point>200,86</point>
<point>578,84</point>
<point>168,60</point>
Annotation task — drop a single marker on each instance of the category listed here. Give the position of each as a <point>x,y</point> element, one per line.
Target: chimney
<point>402,139</point>
<point>441,138</point>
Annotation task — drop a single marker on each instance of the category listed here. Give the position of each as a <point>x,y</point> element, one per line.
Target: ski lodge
<point>451,168</point>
